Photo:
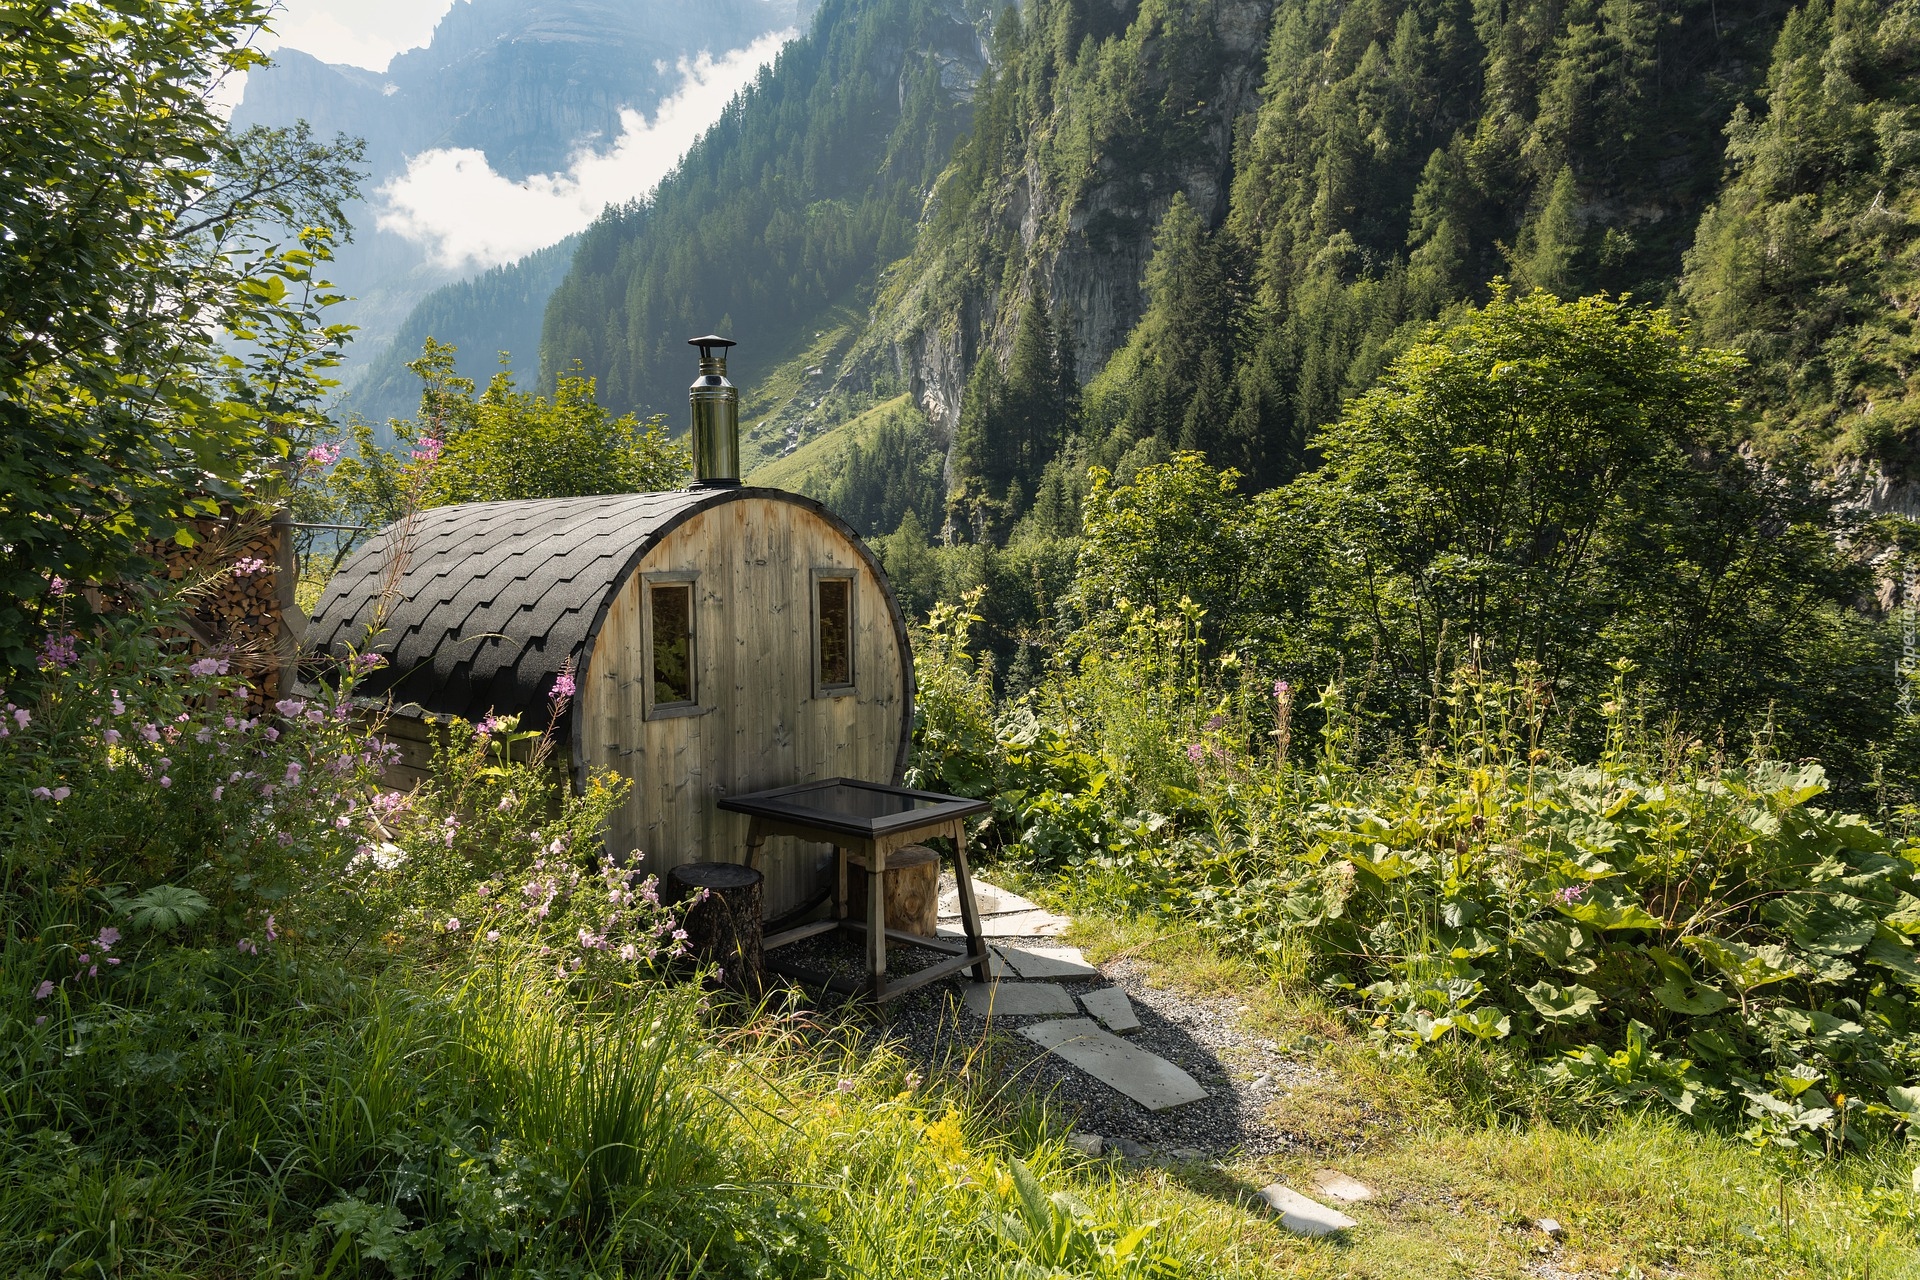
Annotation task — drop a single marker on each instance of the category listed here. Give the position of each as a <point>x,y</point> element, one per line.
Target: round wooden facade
<point>721,640</point>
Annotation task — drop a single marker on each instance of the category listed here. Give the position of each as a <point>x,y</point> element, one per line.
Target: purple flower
<point>165,781</point>
<point>41,793</point>
<point>248,566</point>
<point>493,935</point>
<point>61,793</point>
<point>1281,688</point>
<point>208,667</point>
<point>247,947</point>
<point>113,737</point>
<point>44,990</point>
<point>368,661</point>
<point>1571,894</point>
<point>272,932</point>
<point>427,449</point>
<point>845,1085</point>
<point>1195,752</point>
<point>108,936</point>
<point>60,652</point>
<point>290,707</point>
<point>562,687</point>
<point>22,717</point>
<point>324,455</point>
<point>150,733</point>
<point>58,587</point>
<point>218,792</point>
<point>453,924</point>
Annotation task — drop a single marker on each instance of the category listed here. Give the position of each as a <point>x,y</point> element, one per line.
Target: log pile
<point>236,584</point>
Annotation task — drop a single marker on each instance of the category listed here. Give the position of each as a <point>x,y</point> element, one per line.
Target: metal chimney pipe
<point>716,417</point>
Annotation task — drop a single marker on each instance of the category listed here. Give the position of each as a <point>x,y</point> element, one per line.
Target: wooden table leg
<point>839,883</point>
<point>969,913</point>
<point>756,836</point>
<point>877,921</point>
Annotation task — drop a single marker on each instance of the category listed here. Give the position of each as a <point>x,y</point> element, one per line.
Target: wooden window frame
<point>690,579</point>
<point>852,578</point>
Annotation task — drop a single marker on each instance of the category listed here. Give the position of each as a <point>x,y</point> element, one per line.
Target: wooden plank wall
<point>760,724</point>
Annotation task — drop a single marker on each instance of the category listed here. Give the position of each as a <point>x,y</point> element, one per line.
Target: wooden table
<point>870,819</point>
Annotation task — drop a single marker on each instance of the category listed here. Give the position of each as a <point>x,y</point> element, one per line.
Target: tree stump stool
<point>725,928</point>
<point>912,890</point>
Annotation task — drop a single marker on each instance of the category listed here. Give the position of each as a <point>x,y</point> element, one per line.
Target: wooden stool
<point>912,890</point>
<point>724,929</point>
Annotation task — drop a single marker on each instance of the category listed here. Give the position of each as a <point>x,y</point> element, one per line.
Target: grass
<point>221,1119</point>
<point>1460,1184</point>
<point>811,467</point>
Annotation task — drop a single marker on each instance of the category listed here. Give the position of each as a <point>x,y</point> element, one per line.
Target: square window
<point>670,607</point>
<point>833,633</point>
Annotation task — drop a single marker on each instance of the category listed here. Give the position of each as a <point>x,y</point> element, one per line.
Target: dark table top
<point>851,807</point>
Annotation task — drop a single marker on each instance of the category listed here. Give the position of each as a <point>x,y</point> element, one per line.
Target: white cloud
<point>470,217</point>
<point>361,33</point>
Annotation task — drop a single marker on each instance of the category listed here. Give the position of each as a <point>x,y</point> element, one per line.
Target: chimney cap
<point>711,340</point>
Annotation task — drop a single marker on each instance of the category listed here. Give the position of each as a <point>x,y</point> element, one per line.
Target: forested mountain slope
<point>814,178</point>
<point>1207,224</point>
<point>526,83</point>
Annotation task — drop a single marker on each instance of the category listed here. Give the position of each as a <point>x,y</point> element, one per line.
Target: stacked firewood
<point>235,585</point>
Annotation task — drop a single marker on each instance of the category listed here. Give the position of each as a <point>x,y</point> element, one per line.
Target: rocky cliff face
<point>526,82</point>
<point>1075,204</point>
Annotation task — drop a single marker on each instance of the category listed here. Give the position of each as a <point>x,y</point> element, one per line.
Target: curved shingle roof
<point>497,597</point>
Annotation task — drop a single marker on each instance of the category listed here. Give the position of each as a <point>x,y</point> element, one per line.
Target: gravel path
<point>1240,1070</point>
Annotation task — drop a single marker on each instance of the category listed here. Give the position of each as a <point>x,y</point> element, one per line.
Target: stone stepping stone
<point>1017,999</point>
<point>1111,1006</point>
<point>1147,1078</point>
<point>1021,924</point>
<point>1304,1216</point>
<point>991,899</point>
<point>1336,1185</point>
<point>1048,962</point>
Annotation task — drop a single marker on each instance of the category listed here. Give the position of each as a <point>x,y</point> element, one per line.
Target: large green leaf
<point>165,907</point>
<point>1603,906</point>
<point>1573,1003</point>
<point>1747,968</point>
<point>1691,997</point>
<point>1891,951</point>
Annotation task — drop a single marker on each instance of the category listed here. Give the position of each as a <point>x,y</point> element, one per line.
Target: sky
<point>451,201</point>
<point>468,217</point>
<point>362,33</point>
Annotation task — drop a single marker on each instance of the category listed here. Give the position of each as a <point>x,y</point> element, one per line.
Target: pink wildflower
<point>44,990</point>
<point>493,935</point>
<point>248,947</point>
<point>324,455</point>
<point>563,687</point>
<point>61,793</point>
<point>208,667</point>
<point>427,449</point>
<point>845,1085</point>
<point>1571,894</point>
<point>218,792</point>
<point>1195,752</point>
<point>248,566</point>
<point>58,587</point>
<point>272,932</point>
<point>1281,688</point>
<point>41,793</point>
<point>113,737</point>
<point>453,924</point>
<point>60,652</point>
<point>290,707</point>
<point>165,781</point>
<point>22,717</point>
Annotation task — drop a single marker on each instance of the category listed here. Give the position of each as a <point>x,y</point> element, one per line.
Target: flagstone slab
<point>1336,1185</point>
<point>1147,1078</point>
<point>1111,1006</point>
<point>1302,1215</point>
<point>1017,999</point>
<point>1021,924</point>
<point>991,899</point>
<point>1048,963</point>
